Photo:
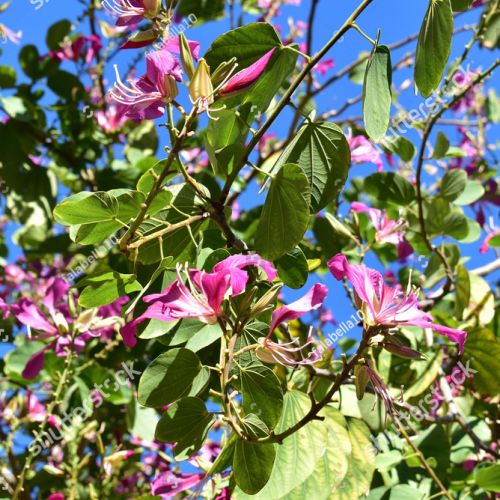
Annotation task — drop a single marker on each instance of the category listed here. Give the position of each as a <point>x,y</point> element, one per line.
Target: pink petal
<point>173,45</point>
<point>35,364</point>
<point>248,76</point>
<point>312,300</point>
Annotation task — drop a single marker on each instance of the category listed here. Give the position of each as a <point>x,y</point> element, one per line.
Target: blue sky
<point>397,20</point>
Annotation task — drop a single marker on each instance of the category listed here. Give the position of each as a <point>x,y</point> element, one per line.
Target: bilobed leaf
<point>186,423</point>
<point>262,394</point>
<point>400,145</point>
<point>322,152</point>
<point>86,208</point>
<point>333,466</point>
<point>298,455</point>
<point>453,184</point>
<point>377,96</point>
<point>361,462</point>
<point>285,216</point>
<point>252,465</point>
<point>434,45</point>
<point>169,377</point>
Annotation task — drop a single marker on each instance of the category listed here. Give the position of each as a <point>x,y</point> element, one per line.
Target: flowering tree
<point>154,349</point>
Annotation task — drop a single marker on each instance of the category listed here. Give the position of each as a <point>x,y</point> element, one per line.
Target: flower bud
<point>401,350</point>
<point>141,39</point>
<point>170,86</point>
<point>362,379</point>
<point>186,56</point>
<point>223,71</point>
<point>201,89</point>
<point>264,302</point>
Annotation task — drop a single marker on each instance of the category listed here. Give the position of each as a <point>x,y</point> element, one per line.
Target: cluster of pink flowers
<point>363,151</point>
<point>45,306</point>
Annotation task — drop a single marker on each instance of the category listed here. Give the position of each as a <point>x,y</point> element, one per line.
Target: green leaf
<point>56,34</point>
<point>285,216</point>
<point>332,468</point>
<point>483,350</point>
<point>397,144</point>
<point>293,269</point>
<point>356,483</point>
<point>322,152</point>
<point>7,77</point>
<point>186,423</point>
<point>377,95</point>
<point>460,5</point>
<point>434,46</point>
<point>262,394</point>
<point>29,60</point>
<point>488,477</point>
<point>247,43</point>
<point>65,85</point>
<point>462,286</point>
<point>204,10</point>
<point>85,207</point>
<point>299,454</point>
<point>472,192</point>
<point>105,288</point>
<point>453,184</point>
<point>441,147</point>
<point>491,36</point>
<point>169,377</point>
<point>252,465</point>
<point>391,187</point>
<point>492,106</point>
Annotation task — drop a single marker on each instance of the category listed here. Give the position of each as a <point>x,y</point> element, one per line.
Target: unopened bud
<point>223,71</point>
<point>201,88</point>
<point>141,39</point>
<point>186,56</point>
<point>264,302</point>
<point>170,86</point>
<point>362,379</point>
<point>394,345</point>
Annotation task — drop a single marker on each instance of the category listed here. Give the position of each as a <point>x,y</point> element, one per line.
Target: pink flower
<point>387,231</point>
<point>383,305</point>
<point>324,66</point>
<point>113,118</point>
<point>82,47</point>
<point>131,12</point>
<point>363,151</point>
<point>248,76</point>
<point>173,45</point>
<point>8,34</point>
<point>290,353</point>
<point>203,298</point>
<point>146,97</point>
<point>169,484</point>
<point>485,246</point>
